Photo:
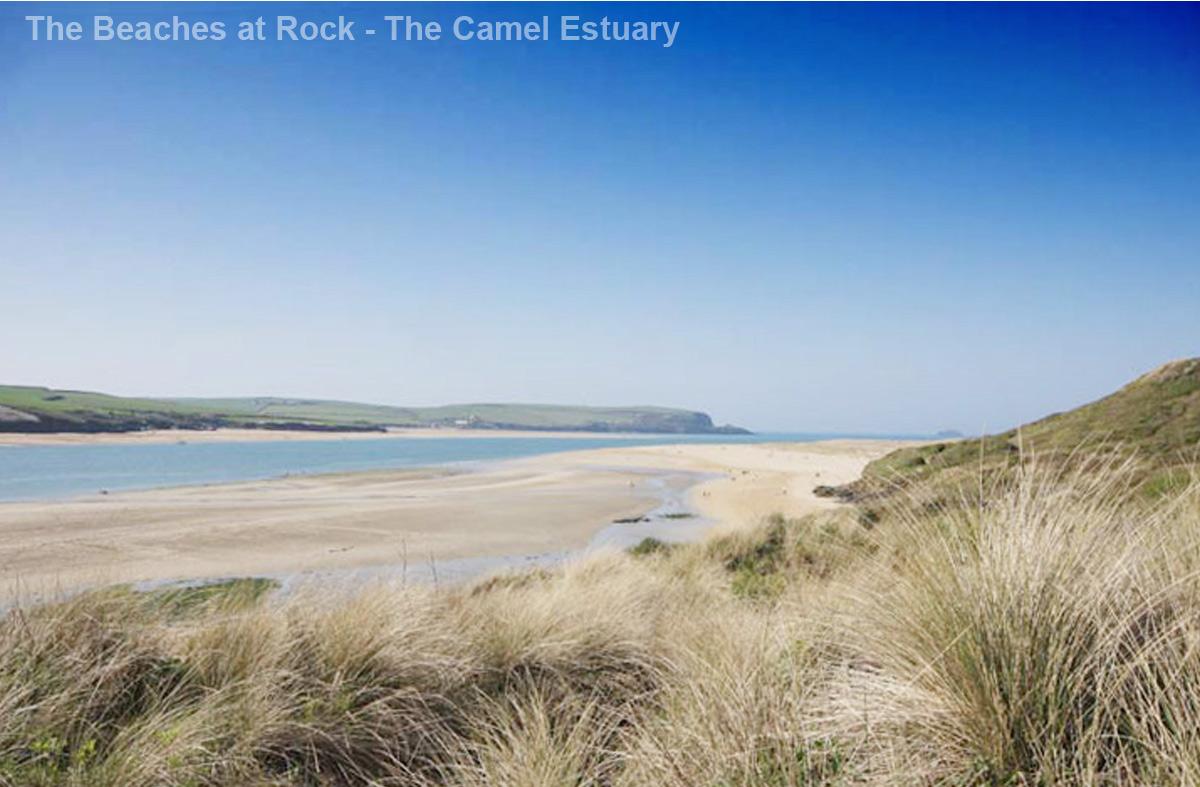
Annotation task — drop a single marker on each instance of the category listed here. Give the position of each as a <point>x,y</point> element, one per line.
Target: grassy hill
<point>34,409</point>
<point>1156,418</point>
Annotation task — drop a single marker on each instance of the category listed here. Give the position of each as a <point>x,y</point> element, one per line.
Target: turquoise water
<point>57,471</point>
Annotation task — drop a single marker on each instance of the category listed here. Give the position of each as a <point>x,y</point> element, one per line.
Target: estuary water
<point>38,472</point>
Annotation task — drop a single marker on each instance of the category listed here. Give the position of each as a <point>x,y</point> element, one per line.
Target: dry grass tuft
<point>1046,631</point>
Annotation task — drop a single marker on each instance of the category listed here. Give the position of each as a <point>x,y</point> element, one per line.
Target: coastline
<point>518,507</point>
<point>232,435</point>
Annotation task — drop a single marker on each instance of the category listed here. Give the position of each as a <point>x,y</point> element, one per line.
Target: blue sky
<point>830,217</point>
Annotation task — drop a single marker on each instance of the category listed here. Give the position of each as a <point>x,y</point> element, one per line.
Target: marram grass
<point>1043,632</point>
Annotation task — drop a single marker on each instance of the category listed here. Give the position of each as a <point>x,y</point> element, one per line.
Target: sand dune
<point>534,505</point>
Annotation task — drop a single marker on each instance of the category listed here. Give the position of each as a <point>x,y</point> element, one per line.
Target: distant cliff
<point>34,409</point>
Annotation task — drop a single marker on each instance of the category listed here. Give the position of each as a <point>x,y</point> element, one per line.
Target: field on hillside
<point>24,408</point>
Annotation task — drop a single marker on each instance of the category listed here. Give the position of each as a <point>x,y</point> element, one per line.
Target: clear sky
<point>862,218</point>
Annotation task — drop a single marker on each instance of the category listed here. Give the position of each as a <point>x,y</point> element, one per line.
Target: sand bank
<point>526,506</point>
<point>754,480</point>
<point>279,435</point>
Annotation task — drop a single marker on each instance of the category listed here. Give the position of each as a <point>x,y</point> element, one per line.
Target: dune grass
<point>1155,419</point>
<point>1043,632</point>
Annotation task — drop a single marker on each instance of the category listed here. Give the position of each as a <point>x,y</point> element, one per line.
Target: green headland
<point>36,409</point>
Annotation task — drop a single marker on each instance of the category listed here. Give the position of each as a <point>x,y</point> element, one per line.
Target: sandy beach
<point>283,435</point>
<point>526,506</point>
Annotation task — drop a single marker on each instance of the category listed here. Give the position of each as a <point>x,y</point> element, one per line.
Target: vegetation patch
<point>650,546</point>
<point>237,593</point>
